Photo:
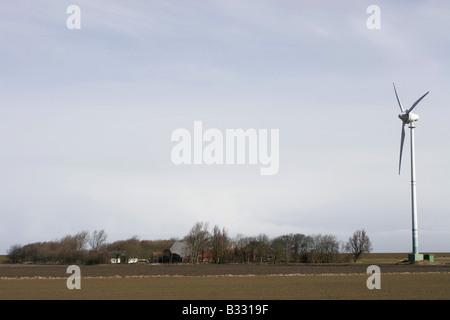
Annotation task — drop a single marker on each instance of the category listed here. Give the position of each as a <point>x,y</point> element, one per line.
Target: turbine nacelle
<point>408,117</point>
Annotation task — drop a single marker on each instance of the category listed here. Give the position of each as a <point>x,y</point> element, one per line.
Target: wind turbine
<point>408,117</point>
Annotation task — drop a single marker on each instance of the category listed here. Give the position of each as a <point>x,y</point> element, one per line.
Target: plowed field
<point>123,270</point>
<point>228,281</point>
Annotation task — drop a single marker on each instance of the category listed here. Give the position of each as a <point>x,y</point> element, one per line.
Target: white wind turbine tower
<point>408,117</point>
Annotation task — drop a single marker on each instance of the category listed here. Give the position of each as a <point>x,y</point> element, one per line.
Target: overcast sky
<point>86,118</point>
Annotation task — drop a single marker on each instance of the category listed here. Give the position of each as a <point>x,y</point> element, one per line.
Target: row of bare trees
<point>215,245</point>
<point>68,249</point>
<point>219,247</point>
<point>85,248</point>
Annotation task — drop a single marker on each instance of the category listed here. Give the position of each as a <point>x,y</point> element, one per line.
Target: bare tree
<point>98,239</point>
<point>278,248</point>
<point>282,247</point>
<point>220,244</point>
<point>326,248</point>
<point>261,246</point>
<point>15,253</point>
<point>299,246</point>
<point>242,247</point>
<point>197,240</point>
<point>68,242</point>
<point>81,239</point>
<point>358,244</point>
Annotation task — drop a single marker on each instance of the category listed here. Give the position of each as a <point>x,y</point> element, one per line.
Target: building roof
<point>180,248</point>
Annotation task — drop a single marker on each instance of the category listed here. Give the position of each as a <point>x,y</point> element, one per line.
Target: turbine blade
<point>398,100</point>
<point>402,139</point>
<point>415,103</point>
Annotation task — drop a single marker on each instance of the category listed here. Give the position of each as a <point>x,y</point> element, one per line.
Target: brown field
<point>232,281</point>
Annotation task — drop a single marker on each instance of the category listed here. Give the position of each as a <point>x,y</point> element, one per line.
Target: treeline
<point>216,246</point>
<point>84,248</point>
<point>71,249</point>
<point>200,245</point>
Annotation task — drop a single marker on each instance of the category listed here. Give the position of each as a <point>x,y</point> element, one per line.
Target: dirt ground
<point>19,270</point>
<point>228,281</point>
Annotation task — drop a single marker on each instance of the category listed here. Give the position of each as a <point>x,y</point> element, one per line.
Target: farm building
<point>173,254</point>
<point>120,257</point>
<point>179,251</point>
<point>123,260</point>
<point>115,260</point>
